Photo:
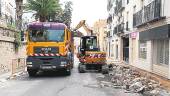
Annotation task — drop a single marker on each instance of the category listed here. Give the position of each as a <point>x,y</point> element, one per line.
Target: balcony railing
<point>120,28</point>
<point>137,18</point>
<point>109,19</point>
<point>109,5</point>
<point>115,30</point>
<point>127,26</point>
<point>149,13</point>
<point>152,10</point>
<point>120,5</point>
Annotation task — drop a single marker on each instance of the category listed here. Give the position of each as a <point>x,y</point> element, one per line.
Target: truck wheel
<point>105,69</point>
<point>32,73</point>
<point>99,69</point>
<point>105,72</point>
<point>81,68</point>
<point>72,65</point>
<point>68,72</point>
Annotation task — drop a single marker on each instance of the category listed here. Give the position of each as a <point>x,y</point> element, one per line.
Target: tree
<point>44,9</point>
<point>67,13</point>
<point>19,13</point>
<point>64,15</point>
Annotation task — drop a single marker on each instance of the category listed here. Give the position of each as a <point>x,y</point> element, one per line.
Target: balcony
<point>109,19</point>
<point>115,30</point>
<point>149,13</point>
<point>152,11</point>
<point>109,5</point>
<point>108,35</point>
<point>120,5</point>
<point>137,18</point>
<point>127,26</point>
<point>120,28</point>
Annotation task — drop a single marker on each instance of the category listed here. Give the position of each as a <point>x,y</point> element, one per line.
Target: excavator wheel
<point>105,69</point>
<point>81,68</point>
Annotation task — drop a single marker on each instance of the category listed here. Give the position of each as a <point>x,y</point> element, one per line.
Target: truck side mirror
<point>82,49</point>
<point>22,35</point>
<point>78,55</point>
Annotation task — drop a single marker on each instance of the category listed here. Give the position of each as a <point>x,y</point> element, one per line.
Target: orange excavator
<point>89,54</point>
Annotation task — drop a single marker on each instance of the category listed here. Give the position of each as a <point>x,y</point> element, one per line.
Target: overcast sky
<point>89,10</point>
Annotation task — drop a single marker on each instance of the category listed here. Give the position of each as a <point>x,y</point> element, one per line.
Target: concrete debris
<point>135,86</point>
<point>105,84</point>
<point>133,81</point>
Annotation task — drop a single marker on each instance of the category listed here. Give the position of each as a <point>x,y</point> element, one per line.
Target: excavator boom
<point>82,23</point>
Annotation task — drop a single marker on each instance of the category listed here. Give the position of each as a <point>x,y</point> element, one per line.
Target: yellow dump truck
<point>49,47</point>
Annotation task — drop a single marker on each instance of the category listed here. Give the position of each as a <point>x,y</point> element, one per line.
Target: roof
<point>48,25</point>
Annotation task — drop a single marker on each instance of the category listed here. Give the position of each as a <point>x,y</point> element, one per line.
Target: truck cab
<point>49,47</point>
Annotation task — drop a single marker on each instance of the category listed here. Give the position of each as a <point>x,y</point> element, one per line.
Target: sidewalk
<point>165,83</point>
<point>4,77</point>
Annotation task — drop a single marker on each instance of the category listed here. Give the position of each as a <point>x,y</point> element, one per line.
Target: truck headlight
<point>29,63</point>
<point>63,62</point>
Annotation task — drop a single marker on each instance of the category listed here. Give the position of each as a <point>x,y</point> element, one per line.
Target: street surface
<point>84,84</point>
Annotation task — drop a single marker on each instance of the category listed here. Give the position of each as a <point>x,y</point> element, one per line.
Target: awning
<point>161,32</point>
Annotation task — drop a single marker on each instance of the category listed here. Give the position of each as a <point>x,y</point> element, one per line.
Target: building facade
<point>146,27</point>
<point>7,13</point>
<point>99,29</point>
<point>118,30</point>
<point>7,36</point>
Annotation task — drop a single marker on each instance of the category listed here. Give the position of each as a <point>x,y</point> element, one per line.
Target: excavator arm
<point>83,24</point>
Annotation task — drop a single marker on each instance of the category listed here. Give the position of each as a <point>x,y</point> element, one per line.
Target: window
<point>112,50</point>
<point>91,43</point>
<point>127,23</point>
<point>161,51</point>
<point>47,35</point>
<point>20,7</point>
<point>127,1</point>
<point>116,51</point>
<point>134,9</point>
<point>127,26</point>
<point>142,4</point>
<point>143,49</point>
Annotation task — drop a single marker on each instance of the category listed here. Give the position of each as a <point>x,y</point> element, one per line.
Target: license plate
<point>46,67</point>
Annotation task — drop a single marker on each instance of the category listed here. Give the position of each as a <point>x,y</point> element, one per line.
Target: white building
<point>119,27</point>
<point>147,25</point>
<point>7,11</point>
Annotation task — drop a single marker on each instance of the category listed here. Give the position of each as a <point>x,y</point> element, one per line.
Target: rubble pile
<point>133,81</point>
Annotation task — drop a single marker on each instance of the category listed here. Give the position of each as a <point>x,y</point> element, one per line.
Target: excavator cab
<point>88,43</point>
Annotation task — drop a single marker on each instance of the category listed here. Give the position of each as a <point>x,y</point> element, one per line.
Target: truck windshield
<point>46,35</point>
<point>91,44</point>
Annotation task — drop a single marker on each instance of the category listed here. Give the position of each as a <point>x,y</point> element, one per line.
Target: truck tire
<point>32,73</point>
<point>105,72</point>
<point>81,68</point>
<point>105,69</point>
<point>68,72</point>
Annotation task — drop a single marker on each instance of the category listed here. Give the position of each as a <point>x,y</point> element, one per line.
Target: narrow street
<point>52,84</point>
<point>47,48</point>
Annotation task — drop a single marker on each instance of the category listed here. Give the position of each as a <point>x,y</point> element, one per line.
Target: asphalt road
<point>56,84</point>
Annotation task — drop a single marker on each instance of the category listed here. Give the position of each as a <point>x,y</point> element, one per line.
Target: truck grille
<point>46,50</point>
